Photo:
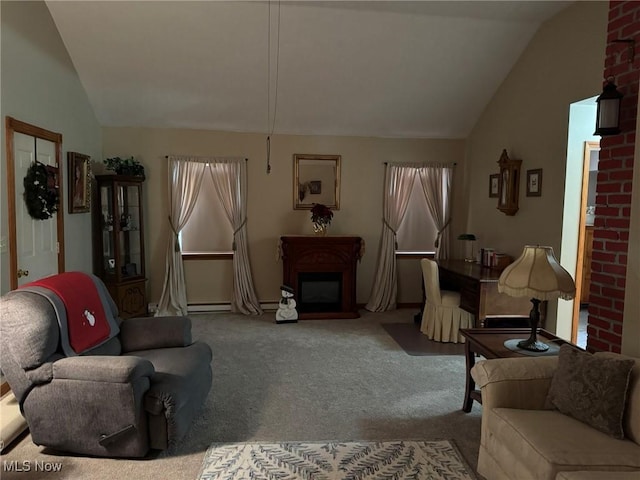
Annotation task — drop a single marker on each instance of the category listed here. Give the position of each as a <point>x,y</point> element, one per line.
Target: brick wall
<point>613,189</point>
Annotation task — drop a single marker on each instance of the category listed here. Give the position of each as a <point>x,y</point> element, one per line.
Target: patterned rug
<point>434,460</point>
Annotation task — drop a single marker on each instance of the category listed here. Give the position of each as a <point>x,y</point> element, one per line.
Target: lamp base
<point>512,344</point>
<point>533,345</point>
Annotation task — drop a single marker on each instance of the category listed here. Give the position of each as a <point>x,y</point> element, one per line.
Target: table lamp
<point>470,237</point>
<point>536,274</point>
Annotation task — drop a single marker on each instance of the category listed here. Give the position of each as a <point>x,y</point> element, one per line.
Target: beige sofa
<point>523,438</point>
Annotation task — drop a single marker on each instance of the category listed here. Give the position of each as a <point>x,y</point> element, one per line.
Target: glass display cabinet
<point>509,184</point>
<point>119,241</point>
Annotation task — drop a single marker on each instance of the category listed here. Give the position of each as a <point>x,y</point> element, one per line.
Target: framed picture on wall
<point>534,182</point>
<point>315,187</point>
<point>79,172</point>
<point>494,185</point>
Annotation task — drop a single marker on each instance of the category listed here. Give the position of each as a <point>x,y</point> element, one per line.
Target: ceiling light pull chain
<point>275,102</point>
<point>268,154</point>
<point>271,124</point>
<point>268,88</point>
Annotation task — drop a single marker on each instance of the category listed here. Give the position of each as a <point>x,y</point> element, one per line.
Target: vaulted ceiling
<point>390,69</point>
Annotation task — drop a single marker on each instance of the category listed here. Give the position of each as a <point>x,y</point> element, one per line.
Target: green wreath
<point>41,200</point>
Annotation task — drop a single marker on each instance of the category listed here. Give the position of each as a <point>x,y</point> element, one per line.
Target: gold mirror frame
<point>316,179</point>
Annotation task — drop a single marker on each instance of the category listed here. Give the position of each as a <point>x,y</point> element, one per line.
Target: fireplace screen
<point>319,292</point>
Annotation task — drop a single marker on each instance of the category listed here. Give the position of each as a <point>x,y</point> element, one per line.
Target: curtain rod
<point>454,163</point>
<point>167,156</point>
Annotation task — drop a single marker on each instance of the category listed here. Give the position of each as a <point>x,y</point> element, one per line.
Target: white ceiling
<point>389,69</point>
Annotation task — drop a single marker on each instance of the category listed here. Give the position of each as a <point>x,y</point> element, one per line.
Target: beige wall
<point>40,86</point>
<point>270,203</point>
<point>631,325</point>
<point>528,116</point>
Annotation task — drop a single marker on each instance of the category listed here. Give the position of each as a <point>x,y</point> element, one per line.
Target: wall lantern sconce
<point>608,114</point>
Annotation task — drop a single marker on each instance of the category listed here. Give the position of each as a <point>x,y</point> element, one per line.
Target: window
<point>417,232</point>
<point>208,230</point>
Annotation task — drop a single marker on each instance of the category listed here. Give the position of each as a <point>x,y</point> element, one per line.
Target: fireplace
<point>319,292</point>
<point>322,272</point>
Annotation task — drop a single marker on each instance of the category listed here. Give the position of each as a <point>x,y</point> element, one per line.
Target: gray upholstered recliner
<point>139,390</point>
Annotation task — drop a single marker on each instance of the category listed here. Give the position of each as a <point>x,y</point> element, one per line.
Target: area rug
<point>399,460</point>
<point>409,337</point>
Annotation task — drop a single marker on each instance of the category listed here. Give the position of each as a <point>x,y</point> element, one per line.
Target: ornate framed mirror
<point>508,184</point>
<point>316,179</point>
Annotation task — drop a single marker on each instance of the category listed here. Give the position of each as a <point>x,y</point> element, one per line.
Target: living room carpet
<point>399,460</point>
<point>308,381</point>
<point>409,337</point>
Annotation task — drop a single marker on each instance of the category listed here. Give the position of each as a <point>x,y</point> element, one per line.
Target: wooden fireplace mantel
<point>318,254</point>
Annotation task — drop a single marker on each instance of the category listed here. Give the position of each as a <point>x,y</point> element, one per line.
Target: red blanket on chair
<point>86,319</point>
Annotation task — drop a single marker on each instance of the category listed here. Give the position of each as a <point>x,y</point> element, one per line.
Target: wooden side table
<point>489,342</point>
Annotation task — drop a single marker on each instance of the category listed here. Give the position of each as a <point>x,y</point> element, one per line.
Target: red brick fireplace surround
<point>613,190</point>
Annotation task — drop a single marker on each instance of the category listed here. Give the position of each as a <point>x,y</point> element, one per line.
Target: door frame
<point>589,146</point>
<point>16,126</point>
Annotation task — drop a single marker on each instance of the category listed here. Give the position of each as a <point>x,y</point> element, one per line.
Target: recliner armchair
<point>138,391</point>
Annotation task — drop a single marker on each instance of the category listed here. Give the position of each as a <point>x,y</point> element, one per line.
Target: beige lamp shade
<point>537,274</point>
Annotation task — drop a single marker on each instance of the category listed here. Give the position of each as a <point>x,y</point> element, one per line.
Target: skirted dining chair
<point>442,317</point>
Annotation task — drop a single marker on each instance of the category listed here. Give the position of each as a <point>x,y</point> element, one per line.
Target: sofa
<point>525,435</point>
<point>140,388</point>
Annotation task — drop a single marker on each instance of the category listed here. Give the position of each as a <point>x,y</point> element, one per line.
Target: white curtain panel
<point>436,185</point>
<point>397,190</point>
<point>185,180</point>
<point>230,180</point>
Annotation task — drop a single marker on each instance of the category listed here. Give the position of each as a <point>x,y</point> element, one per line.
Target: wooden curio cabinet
<point>118,241</point>
<point>509,184</point>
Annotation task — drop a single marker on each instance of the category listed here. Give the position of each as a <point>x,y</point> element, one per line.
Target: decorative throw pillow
<point>591,389</point>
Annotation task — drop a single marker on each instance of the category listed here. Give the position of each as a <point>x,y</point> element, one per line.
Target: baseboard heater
<point>214,307</point>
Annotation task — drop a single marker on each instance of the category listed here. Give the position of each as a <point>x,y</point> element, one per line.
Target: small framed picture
<point>129,270</point>
<point>315,187</point>
<point>534,182</point>
<point>494,185</point>
<point>79,182</point>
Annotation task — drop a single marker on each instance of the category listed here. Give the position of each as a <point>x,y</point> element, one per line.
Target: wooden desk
<point>478,287</point>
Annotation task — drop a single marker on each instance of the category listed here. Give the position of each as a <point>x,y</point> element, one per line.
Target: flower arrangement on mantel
<point>125,166</point>
<point>321,216</point>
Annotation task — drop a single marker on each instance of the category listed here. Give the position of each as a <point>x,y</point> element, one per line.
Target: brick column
<point>613,189</point>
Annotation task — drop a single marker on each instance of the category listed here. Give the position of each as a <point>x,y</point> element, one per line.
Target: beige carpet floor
<point>320,380</point>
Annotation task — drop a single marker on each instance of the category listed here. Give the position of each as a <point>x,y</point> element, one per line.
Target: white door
<point>37,240</point>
